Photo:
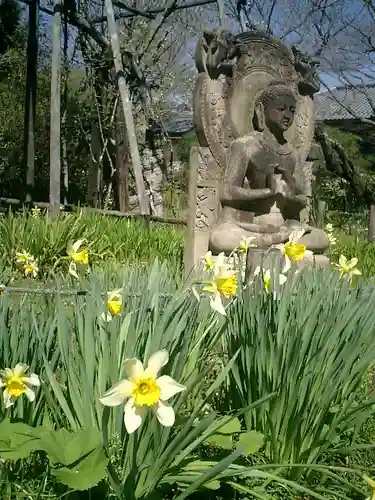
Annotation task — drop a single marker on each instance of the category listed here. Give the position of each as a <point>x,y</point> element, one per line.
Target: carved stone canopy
<point>232,72</point>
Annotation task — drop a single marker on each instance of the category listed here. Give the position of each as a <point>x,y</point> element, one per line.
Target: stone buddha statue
<point>260,193</point>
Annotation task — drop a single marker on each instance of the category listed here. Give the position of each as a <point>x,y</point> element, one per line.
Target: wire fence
<point>65,292</point>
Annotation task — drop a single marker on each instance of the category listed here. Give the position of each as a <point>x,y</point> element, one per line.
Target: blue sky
<point>329,79</point>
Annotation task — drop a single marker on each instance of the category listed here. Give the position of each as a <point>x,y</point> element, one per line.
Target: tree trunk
<point>371,224</point>
<point>127,109</point>
<point>55,160</point>
<point>122,162</point>
<point>30,100</point>
<point>65,168</point>
<point>95,174</point>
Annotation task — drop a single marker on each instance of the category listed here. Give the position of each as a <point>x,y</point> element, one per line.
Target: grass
<point>111,242</point>
<point>314,344</point>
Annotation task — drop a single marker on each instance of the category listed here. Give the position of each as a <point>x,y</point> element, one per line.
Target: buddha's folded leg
<point>227,236</point>
<point>316,240</point>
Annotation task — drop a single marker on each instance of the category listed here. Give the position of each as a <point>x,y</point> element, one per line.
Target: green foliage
<point>312,346</point>
<point>88,356</point>
<point>11,32</point>
<point>79,458</point>
<point>110,241</point>
<point>351,234</point>
<point>355,246</point>
<point>333,189</point>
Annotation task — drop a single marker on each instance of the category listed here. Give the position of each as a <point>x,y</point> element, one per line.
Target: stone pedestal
<point>272,259</point>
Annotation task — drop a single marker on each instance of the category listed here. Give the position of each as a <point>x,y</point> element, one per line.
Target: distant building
<point>346,108</point>
<point>342,107</point>
<point>178,125</point>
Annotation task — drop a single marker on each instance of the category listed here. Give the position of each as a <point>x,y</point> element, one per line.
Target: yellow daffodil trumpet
<point>293,251</point>
<point>78,255</point>
<point>113,304</point>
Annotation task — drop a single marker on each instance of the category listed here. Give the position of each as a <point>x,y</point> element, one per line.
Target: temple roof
<point>177,125</point>
<point>340,103</point>
<point>343,103</point>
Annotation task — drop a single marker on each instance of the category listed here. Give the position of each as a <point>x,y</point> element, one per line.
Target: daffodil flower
<point>15,383</point>
<point>292,250</point>
<point>114,304</point>
<point>347,267</point>
<point>143,390</point>
<point>371,483</point>
<point>213,265</point>
<point>222,285</point>
<point>31,269</point>
<point>24,257</point>
<point>36,212</point>
<point>78,255</point>
<point>329,232</point>
<point>267,278</point>
<point>245,244</point>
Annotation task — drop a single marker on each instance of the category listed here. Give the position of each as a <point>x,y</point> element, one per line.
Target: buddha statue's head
<point>275,108</point>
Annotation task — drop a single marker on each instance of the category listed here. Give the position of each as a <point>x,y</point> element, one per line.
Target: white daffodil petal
<point>195,293</point>
<point>217,304</point>
<point>220,260</point>
<point>20,369</point>
<point>73,270</point>
<point>133,416</point>
<point>77,245</point>
<point>7,398</point>
<point>308,253</point>
<point>164,413</point>
<point>282,279</point>
<point>30,394</point>
<point>106,317</point>
<point>133,368</point>
<point>32,379</point>
<point>156,362</point>
<point>352,262</point>
<point>2,383</point>
<point>356,272</point>
<point>257,271</point>
<point>342,261</point>
<point>117,394</point>
<point>287,264</point>
<point>296,235</point>
<point>168,387</point>
<point>7,372</point>
<point>115,294</point>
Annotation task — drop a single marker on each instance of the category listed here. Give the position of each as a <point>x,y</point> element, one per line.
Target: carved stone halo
<point>263,60</point>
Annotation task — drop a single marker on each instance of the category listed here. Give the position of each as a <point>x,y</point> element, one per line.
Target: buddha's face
<point>279,112</point>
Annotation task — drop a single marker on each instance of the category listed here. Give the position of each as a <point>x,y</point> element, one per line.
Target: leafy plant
<point>78,458</point>
<point>312,346</point>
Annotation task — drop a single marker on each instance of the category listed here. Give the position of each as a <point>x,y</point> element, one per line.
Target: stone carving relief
<point>234,71</point>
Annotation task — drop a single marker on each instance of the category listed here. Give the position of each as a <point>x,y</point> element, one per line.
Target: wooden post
<point>189,251</point>
<point>127,109</point>
<point>122,162</point>
<point>30,100</point>
<point>371,224</point>
<point>320,214</point>
<point>55,125</point>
